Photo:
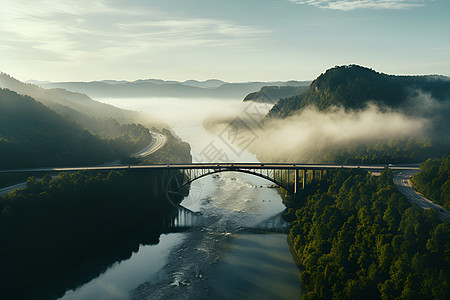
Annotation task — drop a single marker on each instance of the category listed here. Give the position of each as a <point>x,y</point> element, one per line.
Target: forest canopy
<point>434,180</point>
<point>357,237</point>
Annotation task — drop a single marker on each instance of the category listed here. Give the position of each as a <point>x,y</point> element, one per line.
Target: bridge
<point>290,176</point>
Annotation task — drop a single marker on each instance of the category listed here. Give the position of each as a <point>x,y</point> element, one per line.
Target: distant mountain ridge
<point>212,88</point>
<point>354,87</point>
<point>271,94</point>
<point>65,102</point>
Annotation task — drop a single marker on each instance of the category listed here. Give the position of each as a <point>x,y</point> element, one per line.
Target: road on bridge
<point>403,184</point>
<point>213,166</point>
<point>401,177</point>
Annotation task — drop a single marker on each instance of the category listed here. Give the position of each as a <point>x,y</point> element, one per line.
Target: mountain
<point>354,87</point>
<point>271,94</point>
<point>32,135</point>
<point>159,88</point>
<point>352,114</point>
<point>67,103</point>
<point>208,84</point>
<point>103,120</point>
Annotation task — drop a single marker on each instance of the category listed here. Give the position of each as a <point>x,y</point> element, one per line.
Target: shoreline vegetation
<point>357,237</point>
<point>55,225</point>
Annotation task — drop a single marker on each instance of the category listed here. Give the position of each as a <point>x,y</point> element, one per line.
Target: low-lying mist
<point>174,111</point>
<point>301,137</point>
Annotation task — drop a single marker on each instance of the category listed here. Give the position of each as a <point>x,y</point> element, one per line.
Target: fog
<point>423,104</point>
<point>175,111</point>
<point>300,137</point>
<point>237,127</point>
<point>185,116</point>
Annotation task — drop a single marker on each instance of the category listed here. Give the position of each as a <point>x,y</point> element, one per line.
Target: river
<point>233,248</point>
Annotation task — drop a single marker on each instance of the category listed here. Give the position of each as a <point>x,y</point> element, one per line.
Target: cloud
<point>83,30</point>
<point>311,131</point>
<point>303,136</point>
<point>347,5</point>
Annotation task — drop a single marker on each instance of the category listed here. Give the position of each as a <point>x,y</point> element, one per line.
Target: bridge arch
<point>191,179</point>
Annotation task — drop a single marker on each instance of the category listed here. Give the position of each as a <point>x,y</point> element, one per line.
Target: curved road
<point>158,141</point>
<point>9,189</point>
<point>403,184</point>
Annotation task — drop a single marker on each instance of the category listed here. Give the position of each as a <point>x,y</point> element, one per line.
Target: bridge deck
<point>227,166</point>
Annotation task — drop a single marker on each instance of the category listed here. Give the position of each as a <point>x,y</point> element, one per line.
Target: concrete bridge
<point>290,176</point>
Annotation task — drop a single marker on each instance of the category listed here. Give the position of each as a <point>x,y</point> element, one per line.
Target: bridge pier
<point>155,184</point>
<point>304,178</point>
<point>162,182</point>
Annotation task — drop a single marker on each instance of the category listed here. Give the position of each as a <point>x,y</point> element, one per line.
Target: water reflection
<point>255,267</point>
<point>275,223</point>
<point>181,219</point>
<point>184,218</point>
<point>133,262</point>
<point>121,277</point>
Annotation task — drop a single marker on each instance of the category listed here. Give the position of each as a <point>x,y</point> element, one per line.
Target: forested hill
<point>54,97</point>
<point>353,87</point>
<point>77,107</point>
<point>103,120</point>
<point>271,94</point>
<point>32,135</point>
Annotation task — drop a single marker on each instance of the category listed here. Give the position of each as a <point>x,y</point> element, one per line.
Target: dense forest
<point>434,180</point>
<point>53,225</point>
<point>32,135</point>
<point>395,151</point>
<point>357,237</point>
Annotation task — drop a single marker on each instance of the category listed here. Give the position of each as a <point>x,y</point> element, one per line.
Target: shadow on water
<point>274,224</point>
<point>179,220</point>
<point>184,218</point>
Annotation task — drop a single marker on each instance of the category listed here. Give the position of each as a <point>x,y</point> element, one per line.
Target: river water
<point>233,248</point>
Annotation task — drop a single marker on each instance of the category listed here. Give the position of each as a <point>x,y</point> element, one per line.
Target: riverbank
<point>56,225</point>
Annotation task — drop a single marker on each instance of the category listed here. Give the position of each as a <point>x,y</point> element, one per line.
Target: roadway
<point>9,189</point>
<point>215,166</point>
<point>401,178</point>
<point>204,166</point>
<point>158,141</point>
<point>403,184</point>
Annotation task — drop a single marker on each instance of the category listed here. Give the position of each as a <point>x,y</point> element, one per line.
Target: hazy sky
<point>232,40</point>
